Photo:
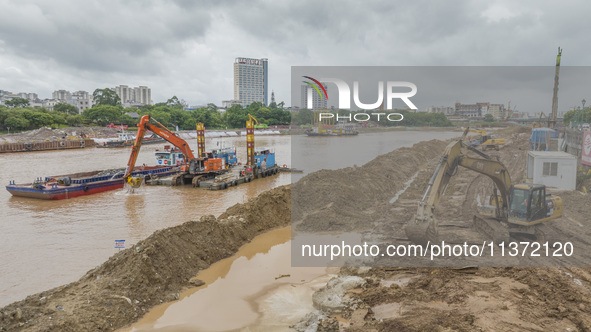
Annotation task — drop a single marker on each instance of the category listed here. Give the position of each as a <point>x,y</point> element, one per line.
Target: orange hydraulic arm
<point>161,131</point>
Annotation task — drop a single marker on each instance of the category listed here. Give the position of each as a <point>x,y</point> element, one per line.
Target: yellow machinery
<point>487,141</point>
<point>513,208</point>
<point>200,140</point>
<point>250,140</point>
<point>538,124</point>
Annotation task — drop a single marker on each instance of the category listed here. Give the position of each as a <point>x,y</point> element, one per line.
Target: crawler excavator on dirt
<point>192,168</point>
<point>513,209</point>
<point>486,141</point>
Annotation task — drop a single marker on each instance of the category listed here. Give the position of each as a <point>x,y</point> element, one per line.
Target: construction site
<point>515,191</point>
<point>381,298</point>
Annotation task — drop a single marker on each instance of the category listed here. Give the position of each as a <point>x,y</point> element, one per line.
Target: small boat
<point>82,184</point>
<point>125,140</point>
<point>346,130</point>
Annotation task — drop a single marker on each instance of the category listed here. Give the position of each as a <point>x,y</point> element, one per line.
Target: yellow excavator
<point>512,209</point>
<point>485,140</point>
<point>538,124</point>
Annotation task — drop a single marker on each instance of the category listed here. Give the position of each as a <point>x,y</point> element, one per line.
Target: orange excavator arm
<point>160,130</point>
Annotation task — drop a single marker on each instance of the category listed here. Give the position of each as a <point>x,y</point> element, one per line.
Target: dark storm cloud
<point>186,48</point>
<point>105,36</point>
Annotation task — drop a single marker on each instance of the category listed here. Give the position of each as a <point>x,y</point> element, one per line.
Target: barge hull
<point>50,190</point>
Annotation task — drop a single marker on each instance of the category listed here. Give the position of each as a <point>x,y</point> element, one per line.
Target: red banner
<point>586,151</point>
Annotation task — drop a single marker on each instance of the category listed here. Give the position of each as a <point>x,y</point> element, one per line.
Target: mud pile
<point>347,199</point>
<point>154,271</point>
<point>45,133</point>
<point>470,299</point>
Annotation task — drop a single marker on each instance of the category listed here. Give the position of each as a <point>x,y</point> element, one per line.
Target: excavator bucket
<point>135,182</point>
<point>422,229</point>
<point>421,233</point>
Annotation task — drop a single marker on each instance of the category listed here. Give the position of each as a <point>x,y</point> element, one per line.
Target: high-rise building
<point>251,81</point>
<point>137,96</point>
<point>143,95</point>
<point>318,102</point>
<point>123,91</point>
<point>30,96</point>
<point>62,95</point>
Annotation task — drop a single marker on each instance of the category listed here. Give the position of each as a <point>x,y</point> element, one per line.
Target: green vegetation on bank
<point>18,115</point>
<point>575,116</point>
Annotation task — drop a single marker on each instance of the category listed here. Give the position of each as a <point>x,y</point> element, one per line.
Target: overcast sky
<point>187,48</point>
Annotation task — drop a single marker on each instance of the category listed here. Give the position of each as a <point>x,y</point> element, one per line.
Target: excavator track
<point>545,233</point>
<point>177,180</point>
<point>492,229</point>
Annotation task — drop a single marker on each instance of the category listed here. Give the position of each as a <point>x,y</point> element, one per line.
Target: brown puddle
<point>254,290</point>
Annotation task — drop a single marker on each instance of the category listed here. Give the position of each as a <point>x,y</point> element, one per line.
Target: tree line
<point>18,115</point>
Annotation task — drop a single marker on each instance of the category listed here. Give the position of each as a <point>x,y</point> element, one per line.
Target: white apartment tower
<point>141,95</point>
<point>250,80</point>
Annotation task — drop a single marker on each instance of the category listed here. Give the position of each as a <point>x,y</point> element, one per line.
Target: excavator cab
<point>529,203</point>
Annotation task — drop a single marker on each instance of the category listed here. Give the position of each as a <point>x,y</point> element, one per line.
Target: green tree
<point>303,117</point>
<point>175,102</point>
<point>489,118</point>
<point>235,117</point>
<point>39,119</point>
<point>3,114</point>
<point>106,97</point>
<point>57,119</point>
<point>74,120</point>
<point>16,123</point>
<point>103,114</point>
<point>17,103</point>
<point>575,116</point>
<point>65,108</point>
<point>209,116</point>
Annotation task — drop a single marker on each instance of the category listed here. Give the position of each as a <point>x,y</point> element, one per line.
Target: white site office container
<point>552,168</point>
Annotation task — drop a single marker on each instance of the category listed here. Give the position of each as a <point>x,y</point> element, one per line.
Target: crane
<point>519,208</point>
<point>554,113</point>
<point>192,166</point>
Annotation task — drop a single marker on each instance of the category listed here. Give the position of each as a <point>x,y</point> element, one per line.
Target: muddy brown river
<point>44,244</point>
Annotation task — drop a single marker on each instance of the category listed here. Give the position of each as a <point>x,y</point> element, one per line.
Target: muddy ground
<point>154,271</point>
<point>444,299</point>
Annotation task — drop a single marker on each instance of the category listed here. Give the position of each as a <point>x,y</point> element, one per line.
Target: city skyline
<point>49,46</point>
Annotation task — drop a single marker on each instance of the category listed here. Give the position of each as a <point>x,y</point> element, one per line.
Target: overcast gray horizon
<point>187,48</point>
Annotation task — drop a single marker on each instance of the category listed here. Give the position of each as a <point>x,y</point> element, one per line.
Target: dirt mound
<point>46,133</point>
<point>334,200</point>
<point>473,300</point>
<point>154,271</point>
